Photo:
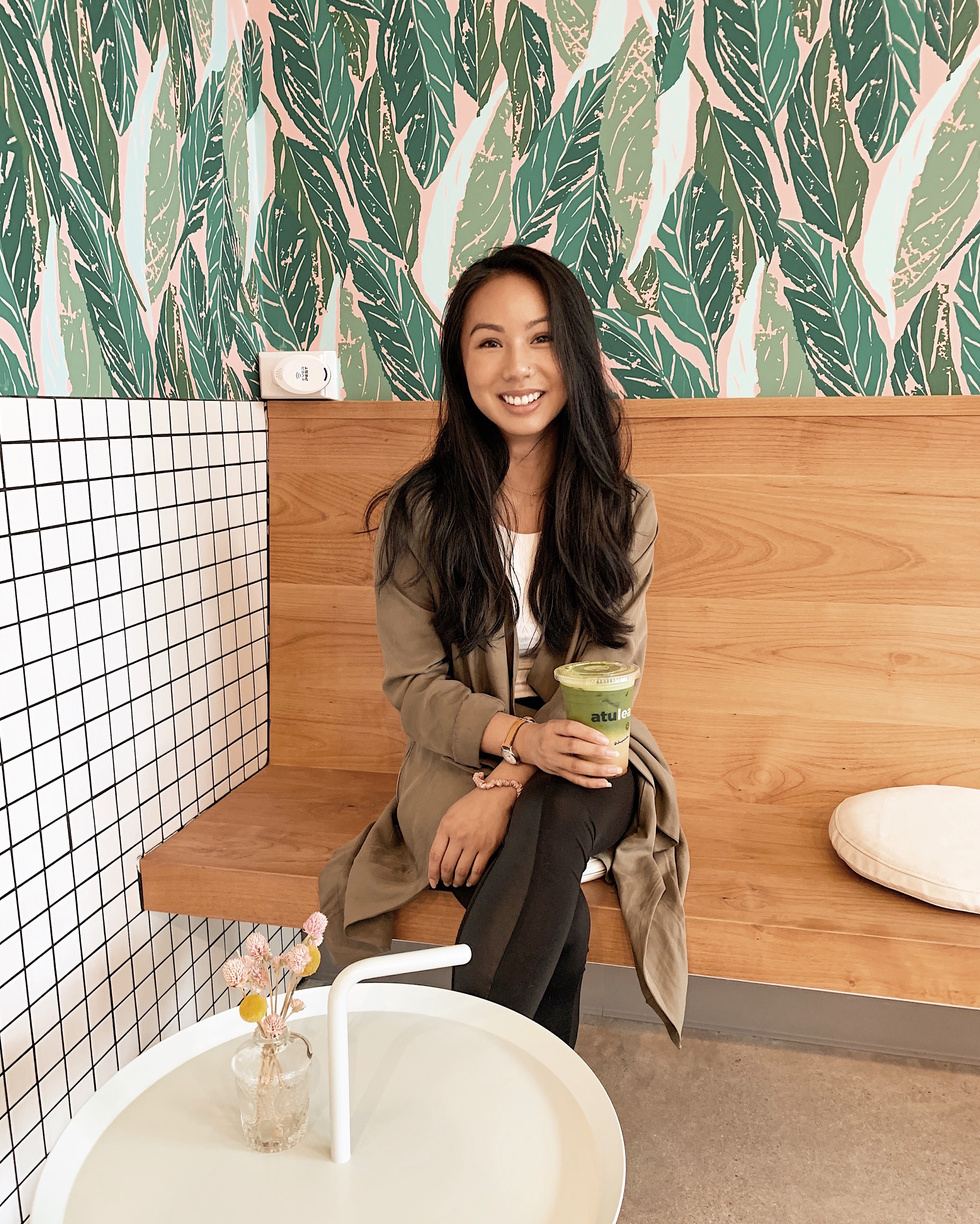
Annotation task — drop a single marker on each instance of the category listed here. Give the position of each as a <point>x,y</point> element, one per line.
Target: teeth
<point>520,400</point>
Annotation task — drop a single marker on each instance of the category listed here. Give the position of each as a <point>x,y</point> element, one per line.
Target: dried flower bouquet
<point>265,979</point>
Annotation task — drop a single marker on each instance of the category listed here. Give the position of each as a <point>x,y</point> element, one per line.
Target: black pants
<point>527,920</point>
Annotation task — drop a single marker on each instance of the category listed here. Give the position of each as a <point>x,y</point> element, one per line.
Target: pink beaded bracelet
<point>481,780</point>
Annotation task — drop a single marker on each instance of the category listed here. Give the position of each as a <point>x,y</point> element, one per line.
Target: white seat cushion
<point>920,840</point>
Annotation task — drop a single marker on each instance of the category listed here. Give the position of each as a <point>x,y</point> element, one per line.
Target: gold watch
<point>507,750</point>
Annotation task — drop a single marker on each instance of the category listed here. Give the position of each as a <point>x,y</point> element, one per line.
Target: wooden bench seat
<point>768,899</point>
<point>813,634</point>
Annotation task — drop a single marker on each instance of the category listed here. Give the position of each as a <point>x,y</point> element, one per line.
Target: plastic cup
<point>600,695</point>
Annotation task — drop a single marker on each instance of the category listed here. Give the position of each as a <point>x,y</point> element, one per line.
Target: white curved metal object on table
<point>463,1111</point>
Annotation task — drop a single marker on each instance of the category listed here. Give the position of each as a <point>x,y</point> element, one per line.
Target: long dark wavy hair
<point>450,504</point>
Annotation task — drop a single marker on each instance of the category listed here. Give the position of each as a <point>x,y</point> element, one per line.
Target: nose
<point>519,363</point>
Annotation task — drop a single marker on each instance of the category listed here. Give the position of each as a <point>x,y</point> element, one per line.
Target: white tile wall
<point>133,693</point>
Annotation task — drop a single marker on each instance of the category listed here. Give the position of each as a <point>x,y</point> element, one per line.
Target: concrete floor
<point>726,1132</point>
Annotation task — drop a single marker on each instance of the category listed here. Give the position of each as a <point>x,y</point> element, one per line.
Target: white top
<point>523,545</point>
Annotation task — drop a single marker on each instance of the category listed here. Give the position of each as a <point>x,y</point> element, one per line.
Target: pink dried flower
<point>296,959</point>
<point>277,963</point>
<point>235,973</point>
<point>257,945</point>
<point>314,926</point>
<point>274,1025</point>
<point>297,1005</point>
<point>258,976</point>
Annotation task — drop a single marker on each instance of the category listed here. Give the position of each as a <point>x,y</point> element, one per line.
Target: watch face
<point>509,755</point>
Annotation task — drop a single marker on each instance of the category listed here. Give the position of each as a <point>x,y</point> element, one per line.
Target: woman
<point>518,545</point>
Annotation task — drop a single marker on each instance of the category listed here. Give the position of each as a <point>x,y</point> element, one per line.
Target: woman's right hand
<point>570,750</point>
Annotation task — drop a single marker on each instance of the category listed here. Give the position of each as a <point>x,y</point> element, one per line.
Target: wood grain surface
<point>813,634</point>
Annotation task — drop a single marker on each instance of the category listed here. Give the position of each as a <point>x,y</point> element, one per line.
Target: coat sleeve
<point>442,714</point>
<point>635,613</point>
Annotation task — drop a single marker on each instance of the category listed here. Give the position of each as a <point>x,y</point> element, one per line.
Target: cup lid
<point>597,674</point>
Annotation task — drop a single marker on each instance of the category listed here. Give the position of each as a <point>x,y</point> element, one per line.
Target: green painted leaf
<point>174,378</point>
<point>833,319</point>
<point>18,237</point>
<point>644,361</point>
<point>587,236</point>
<point>113,24</point>
<point>235,143</point>
<point>780,361</point>
<point>878,44</point>
<point>806,17</point>
<point>177,22</point>
<point>312,175</point>
<point>356,37</point>
<point>141,14</point>
<point>252,52</point>
<point>483,218</point>
<point>104,138</point>
<point>753,178</point>
<point>290,188</point>
<point>37,202</point>
<point>943,198</point>
<point>25,74</point>
<point>387,198</point>
<point>403,333</point>
<point>673,41</point>
<point>380,10</point>
<point>78,129</point>
<point>752,52</point>
<point>87,371</point>
<point>418,72</point>
<point>12,314</point>
<point>197,325</point>
<point>310,69</point>
<point>950,26</point>
<point>361,371</point>
<point>712,160</point>
<point>201,154</point>
<point>288,299</point>
<point>162,188</point>
<point>640,293</point>
<point>199,12</point>
<point>967,311</point>
<point>697,281</point>
<point>829,174</point>
<point>526,53</point>
<point>154,27</point>
<point>13,377</point>
<point>477,59</point>
<point>924,352</point>
<point>112,302</point>
<point>221,250</point>
<point>41,12</point>
<point>628,130</point>
<point>571,24</point>
<point>563,153</point>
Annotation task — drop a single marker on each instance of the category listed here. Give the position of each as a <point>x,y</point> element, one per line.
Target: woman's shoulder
<point>644,515</point>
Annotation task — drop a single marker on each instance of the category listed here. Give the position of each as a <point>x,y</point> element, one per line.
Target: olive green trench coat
<point>445,702</point>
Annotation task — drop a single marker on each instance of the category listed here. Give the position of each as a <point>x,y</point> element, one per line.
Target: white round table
<point>462,1112</point>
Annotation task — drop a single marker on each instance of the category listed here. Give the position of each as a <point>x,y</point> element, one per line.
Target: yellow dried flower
<point>314,961</point>
<point>252,1008</point>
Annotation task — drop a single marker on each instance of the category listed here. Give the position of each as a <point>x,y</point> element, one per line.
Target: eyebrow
<point>494,327</point>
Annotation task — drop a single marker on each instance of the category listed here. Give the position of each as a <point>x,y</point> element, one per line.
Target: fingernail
<point>607,784</point>
<point>610,754</point>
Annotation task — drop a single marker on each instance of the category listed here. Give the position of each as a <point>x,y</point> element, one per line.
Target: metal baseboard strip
<point>753,1010</point>
<point>759,1010</point>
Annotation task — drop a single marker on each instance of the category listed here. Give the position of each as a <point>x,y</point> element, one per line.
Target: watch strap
<point>509,738</point>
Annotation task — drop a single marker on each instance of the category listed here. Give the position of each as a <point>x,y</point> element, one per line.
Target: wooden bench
<point>813,634</point>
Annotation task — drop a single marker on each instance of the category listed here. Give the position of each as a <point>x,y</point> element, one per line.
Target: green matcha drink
<point>600,695</point>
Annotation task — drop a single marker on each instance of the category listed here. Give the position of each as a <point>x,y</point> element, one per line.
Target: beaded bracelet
<point>481,780</point>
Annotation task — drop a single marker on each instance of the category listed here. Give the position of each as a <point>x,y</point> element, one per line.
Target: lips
<point>521,399</point>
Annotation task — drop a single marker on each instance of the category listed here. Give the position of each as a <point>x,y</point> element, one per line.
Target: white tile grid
<point>133,694</point>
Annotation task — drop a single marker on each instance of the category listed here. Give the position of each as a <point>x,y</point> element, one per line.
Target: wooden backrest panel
<point>813,615</point>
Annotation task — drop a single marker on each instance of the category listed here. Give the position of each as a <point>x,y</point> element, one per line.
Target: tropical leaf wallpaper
<point>774,197</point>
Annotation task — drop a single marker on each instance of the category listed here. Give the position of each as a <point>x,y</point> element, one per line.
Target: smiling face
<point>509,357</point>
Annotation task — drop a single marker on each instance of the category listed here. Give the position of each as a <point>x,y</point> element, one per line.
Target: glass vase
<point>272,1078</point>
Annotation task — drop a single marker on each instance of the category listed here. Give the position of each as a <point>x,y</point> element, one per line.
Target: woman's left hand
<point>469,835</point>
